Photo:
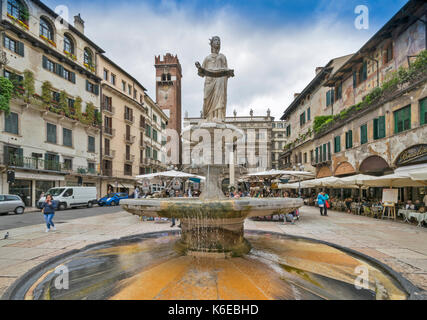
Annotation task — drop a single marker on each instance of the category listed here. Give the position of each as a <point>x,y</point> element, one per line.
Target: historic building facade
<point>133,130</point>
<point>378,123</point>
<point>315,100</point>
<point>51,135</point>
<point>263,136</point>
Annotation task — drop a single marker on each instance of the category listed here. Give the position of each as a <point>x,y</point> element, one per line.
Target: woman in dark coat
<point>48,210</point>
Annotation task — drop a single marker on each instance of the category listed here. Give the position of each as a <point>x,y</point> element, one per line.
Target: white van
<point>69,197</point>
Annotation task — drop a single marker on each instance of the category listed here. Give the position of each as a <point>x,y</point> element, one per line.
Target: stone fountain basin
<point>188,208</point>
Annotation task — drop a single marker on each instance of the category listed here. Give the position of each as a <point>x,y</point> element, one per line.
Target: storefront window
<point>22,188</point>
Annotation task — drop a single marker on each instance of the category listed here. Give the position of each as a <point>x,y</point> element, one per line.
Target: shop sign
<point>413,155</point>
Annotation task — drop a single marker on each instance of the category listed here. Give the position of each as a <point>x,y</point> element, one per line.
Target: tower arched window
<point>68,44</point>
<point>88,57</point>
<point>46,29</point>
<point>169,77</point>
<point>163,77</point>
<point>18,10</point>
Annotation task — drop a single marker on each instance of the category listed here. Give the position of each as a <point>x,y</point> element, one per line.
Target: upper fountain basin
<point>188,208</point>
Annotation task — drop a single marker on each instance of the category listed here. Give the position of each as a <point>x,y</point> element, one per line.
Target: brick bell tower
<point>168,90</point>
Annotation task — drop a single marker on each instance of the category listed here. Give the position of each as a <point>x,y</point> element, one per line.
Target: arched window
<point>18,10</point>
<point>169,77</point>
<point>88,57</point>
<point>46,29</point>
<point>68,44</point>
<point>163,77</point>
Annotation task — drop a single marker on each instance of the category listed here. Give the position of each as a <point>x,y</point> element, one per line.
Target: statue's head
<point>215,43</point>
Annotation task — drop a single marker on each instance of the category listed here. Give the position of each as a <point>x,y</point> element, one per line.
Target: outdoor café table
<point>408,214</point>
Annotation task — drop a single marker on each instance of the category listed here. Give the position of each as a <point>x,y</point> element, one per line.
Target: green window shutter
<point>96,89</point>
<point>423,111</point>
<point>87,85</point>
<point>44,62</point>
<point>317,155</point>
<point>354,79</point>
<point>329,151</point>
<point>324,152</point>
<point>328,98</point>
<point>363,134</point>
<point>20,48</point>
<point>350,137</point>
<point>73,77</point>
<point>308,114</point>
<point>376,129</point>
<point>365,70</point>
<point>381,127</point>
<point>332,96</point>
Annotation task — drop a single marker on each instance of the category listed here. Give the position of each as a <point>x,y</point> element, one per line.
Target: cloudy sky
<point>273,46</point>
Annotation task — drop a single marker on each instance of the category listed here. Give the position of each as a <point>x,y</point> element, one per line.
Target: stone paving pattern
<point>400,245</point>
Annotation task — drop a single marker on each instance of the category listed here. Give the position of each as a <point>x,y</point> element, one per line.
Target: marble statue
<point>216,71</point>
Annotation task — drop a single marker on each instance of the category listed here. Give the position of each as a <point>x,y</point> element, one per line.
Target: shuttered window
<point>423,111</point>
<point>51,133</point>
<point>91,144</point>
<point>337,144</point>
<point>58,69</point>
<point>67,136</point>
<point>308,114</point>
<point>402,119</point>
<point>11,123</point>
<point>349,139</point>
<point>329,151</point>
<point>13,45</point>
<point>379,128</point>
<point>364,134</point>
<point>93,88</point>
<point>354,79</point>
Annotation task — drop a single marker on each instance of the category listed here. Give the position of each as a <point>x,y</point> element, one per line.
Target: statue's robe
<point>215,99</point>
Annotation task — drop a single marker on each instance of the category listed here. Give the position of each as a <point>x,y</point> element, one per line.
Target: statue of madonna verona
<point>216,71</point>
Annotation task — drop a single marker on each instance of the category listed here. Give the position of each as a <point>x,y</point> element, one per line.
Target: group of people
<point>323,203</point>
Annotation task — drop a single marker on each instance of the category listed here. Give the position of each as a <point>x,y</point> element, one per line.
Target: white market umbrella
<point>415,172</point>
<point>168,174</point>
<point>393,181</point>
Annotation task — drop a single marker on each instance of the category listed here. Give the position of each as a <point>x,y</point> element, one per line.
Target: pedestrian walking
<point>321,202</point>
<point>136,193</point>
<point>48,210</point>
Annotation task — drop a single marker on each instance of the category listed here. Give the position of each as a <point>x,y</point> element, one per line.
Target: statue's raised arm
<point>216,72</point>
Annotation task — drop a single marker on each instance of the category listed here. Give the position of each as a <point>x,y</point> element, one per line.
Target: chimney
<point>318,69</point>
<point>79,23</point>
<point>296,95</point>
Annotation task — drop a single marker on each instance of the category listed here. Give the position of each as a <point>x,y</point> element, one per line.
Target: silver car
<point>11,203</point>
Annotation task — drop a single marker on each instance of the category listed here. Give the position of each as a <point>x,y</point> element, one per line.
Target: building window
<point>128,170</point>
<point>113,79</point>
<point>124,86</point>
<point>308,114</point>
<point>93,88</point>
<point>16,9</point>
<point>364,134</point>
<point>363,72</point>
<point>329,151</point>
<point>130,89</point>
<point>11,123</point>
<point>13,45</point>
<point>91,144</point>
<point>288,130</point>
<point>148,131</point>
<point>48,64</point>
<point>67,135</point>
<point>88,57</point>
<point>51,133</point>
<point>423,111</point>
<point>46,29</point>
<point>402,119</point>
<point>148,153</point>
<point>155,135</point>
<point>91,167</point>
<point>155,154</point>
<point>338,92</point>
<point>56,96</point>
<point>68,164</point>
<point>379,128</point>
<point>154,118</point>
<point>105,75</point>
<point>68,44</point>
<point>354,79</point>
<point>337,144</point>
<point>349,139</point>
<point>388,53</point>
<point>330,97</point>
<point>302,119</point>
<point>305,157</point>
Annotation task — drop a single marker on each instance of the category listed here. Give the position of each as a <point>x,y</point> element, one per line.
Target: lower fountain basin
<point>146,267</point>
<point>211,227</point>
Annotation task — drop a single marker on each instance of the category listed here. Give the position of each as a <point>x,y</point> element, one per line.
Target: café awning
<point>416,172</point>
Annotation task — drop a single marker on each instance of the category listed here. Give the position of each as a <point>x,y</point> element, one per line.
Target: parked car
<point>112,199</point>
<point>69,197</point>
<point>11,203</point>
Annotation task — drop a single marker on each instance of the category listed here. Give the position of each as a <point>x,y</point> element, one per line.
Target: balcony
<point>130,158</point>
<point>129,118</point>
<point>108,109</point>
<point>129,138</point>
<point>109,154</point>
<point>109,131</point>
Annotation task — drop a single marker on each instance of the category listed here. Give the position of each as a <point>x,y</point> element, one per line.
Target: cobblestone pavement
<point>401,246</point>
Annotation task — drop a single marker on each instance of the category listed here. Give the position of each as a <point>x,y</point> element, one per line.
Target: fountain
<point>212,225</point>
<point>212,257</point>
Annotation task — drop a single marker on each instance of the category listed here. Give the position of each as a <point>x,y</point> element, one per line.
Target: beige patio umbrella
<point>393,181</point>
<point>415,172</point>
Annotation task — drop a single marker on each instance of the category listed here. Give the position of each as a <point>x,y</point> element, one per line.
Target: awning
<point>416,172</point>
<point>36,176</point>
